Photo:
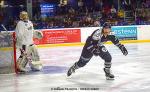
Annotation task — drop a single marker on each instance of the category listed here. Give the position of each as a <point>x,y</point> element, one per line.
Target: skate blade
<point>22,72</point>
<point>108,78</point>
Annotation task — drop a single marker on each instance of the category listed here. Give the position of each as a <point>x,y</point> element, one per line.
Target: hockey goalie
<point>24,42</point>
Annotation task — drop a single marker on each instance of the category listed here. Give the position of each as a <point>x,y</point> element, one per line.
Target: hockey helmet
<point>106,25</point>
<point>23,15</point>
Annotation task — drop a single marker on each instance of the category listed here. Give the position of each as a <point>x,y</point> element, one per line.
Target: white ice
<point>132,72</point>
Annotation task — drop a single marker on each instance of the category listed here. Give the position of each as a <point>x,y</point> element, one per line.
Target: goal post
<point>14,48</point>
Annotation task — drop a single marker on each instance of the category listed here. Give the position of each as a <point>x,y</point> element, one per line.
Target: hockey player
<point>94,46</point>
<point>24,35</point>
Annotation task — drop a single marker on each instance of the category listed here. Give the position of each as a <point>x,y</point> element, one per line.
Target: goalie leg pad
<point>21,64</point>
<point>34,53</point>
<point>36,64</point>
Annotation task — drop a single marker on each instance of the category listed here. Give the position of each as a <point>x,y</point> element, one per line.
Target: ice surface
<point>132,72</point>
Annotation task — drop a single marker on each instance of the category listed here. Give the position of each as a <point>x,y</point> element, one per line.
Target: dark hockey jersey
<point>94,43</point>
<point>99,40</point>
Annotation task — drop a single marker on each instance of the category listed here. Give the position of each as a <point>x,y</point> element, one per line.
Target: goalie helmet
<point>23,15</point>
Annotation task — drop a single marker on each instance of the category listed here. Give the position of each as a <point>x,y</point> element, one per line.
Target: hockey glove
<point>123,49</point>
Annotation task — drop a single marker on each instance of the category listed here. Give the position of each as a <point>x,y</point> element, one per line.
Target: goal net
<point>7,53</point>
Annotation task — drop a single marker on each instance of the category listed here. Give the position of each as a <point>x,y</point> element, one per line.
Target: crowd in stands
<point>67,16</point>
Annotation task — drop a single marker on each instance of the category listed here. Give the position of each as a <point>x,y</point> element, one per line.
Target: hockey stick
<point>4,28</point>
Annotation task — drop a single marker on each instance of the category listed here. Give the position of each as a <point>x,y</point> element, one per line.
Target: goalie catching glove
<point>38,35</point>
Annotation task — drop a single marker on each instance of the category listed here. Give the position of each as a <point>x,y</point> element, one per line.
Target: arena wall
<point>128,34</point>
<point>69,37</point>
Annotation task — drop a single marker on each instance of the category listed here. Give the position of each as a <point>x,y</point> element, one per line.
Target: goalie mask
<point>24,15</point>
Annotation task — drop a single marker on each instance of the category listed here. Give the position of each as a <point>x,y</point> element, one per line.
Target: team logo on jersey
<point>104,49</point>
<point>30,28</point>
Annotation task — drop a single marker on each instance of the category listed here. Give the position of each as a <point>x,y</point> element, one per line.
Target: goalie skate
<point>35,65</point>
<point>23,71</point>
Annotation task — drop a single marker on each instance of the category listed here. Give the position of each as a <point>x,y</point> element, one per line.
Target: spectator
<point>113,11</point>
<point>71,10</point>
<point>80,5</point>
<point>122,22</point>
<point>98,5</point>
<point>106,11</point>
<point>97,23</point>
<point>121,13</point>
<point>75,24</point>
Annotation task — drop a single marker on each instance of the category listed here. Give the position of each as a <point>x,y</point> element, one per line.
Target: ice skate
<point>72,69</point>
<point>108,74</point>
<point>22,70</point>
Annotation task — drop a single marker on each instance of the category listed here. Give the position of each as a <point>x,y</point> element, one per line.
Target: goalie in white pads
<point>24,35</point>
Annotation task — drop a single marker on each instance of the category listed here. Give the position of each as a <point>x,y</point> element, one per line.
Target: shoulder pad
<point>96,35</point>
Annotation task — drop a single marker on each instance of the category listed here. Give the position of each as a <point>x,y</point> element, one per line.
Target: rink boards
<point>77,37</point>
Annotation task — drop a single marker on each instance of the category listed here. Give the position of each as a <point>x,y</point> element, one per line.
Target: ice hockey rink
<point>132,72</point>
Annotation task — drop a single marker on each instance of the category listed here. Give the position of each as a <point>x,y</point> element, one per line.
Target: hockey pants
<point>86,56</point>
